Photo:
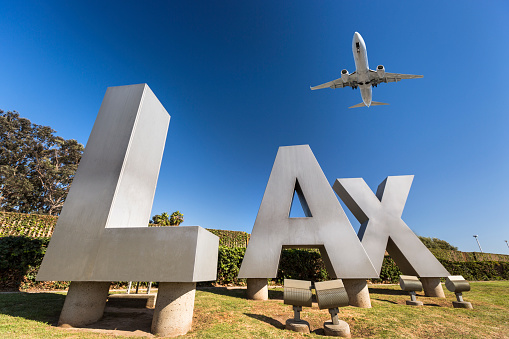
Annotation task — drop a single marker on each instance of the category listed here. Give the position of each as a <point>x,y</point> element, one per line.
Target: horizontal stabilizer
<point>373,103</point>
<point>358,105</point>
<point>376,103</point>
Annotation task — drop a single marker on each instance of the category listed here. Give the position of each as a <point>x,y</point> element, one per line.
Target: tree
<point>164,219</point>
<point>36,167</point>
<point>161,219</point>
<point>435,243</point>
<point>176,218</point>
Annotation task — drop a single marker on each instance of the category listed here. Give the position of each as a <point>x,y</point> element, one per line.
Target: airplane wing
<point>390,77</point>
<point>395,77</point>
<point>339,83</point>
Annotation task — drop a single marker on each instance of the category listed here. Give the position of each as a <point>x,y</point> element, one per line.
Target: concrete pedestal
<point>340,330</point>
<point>300,326</point>
<point>414,303</point>
<point>84,303</point>
<point>432,287</point>
<point>257,289</point>
<point>358,293</point>
<point>462,304</point>
<point>173,314</point>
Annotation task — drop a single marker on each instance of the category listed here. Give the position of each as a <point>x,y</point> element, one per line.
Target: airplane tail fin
<point>373,103</point>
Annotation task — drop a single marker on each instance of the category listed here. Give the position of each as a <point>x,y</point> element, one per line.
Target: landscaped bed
<point>225,313</point>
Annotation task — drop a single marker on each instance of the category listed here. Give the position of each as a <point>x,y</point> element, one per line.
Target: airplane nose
<point>356,36</point>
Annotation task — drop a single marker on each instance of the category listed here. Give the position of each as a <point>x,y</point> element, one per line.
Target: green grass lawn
<point>222,313</point>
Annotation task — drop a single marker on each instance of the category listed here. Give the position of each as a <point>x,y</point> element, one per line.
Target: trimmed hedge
<point>301,264</point>
<point>231,238</point>
<point>478,270</point>
<point>30,225</point>
<point>20,258</point>
<point>228,265</point>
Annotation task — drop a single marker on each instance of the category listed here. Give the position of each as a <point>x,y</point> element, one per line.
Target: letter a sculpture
<point>325,226</point>
<point>102,234</point>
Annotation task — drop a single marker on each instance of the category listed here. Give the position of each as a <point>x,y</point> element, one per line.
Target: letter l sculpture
<point>102,234</point>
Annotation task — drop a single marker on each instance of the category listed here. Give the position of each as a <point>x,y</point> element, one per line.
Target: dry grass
<point>225,313</point>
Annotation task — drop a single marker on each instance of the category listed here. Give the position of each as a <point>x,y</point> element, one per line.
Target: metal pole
<point>475,236</point>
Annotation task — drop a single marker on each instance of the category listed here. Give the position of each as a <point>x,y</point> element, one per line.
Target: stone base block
<point>257,289</point>
<point>414,303</point>
<point>358,293</point>
<point>132,300</point>
<point>84,303</point>
<point>300,326</point>
<point>462,304</point>
<point>340,330</point>
<point>432,287</point>
<point>173,314</point>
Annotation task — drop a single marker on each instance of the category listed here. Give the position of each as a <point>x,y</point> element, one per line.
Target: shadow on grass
<point>385,300</point>
<point>234,292</point>
<point>319,331</point>
<point>278,295</point>
<point>43,307</point>
<point>387,291</point>
<point>124,319</point>
<point>268,320</point>
<point>239,292</point>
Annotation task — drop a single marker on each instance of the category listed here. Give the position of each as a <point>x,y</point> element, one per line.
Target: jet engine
<point>344,75</point>
<point>380,69</point>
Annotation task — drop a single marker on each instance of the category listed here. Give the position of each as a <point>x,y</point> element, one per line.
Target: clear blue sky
<point>235,77</point>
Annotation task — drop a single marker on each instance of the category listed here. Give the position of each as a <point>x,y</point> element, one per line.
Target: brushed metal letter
<point>382,227</point>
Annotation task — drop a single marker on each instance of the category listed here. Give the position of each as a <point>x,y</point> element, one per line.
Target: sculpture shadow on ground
<point>386,291</point>
<point>268,320</point>
<point>124,319</point>
<point>43,307</point>
<point>239,292</point>
<point>385,300</point>
<point>278,295</point>
<point>230,292</point>
<point>433,305</point>
<point>319,331</point>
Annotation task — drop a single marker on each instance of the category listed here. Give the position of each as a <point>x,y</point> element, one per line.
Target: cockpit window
<point>358,45</point>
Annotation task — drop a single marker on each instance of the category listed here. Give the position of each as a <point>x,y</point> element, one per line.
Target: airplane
<point>364,77</point>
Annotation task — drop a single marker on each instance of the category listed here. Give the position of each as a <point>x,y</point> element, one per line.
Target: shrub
<point>301,264</point>
<point>478,270</point>
<point>389,272</point>
<point>228,265</point>
<point>20,256</point>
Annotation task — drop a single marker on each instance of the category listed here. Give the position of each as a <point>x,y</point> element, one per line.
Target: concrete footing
<point>358,293</point>
<point>462,304</point>
<point>414,303</point>
<point>84,303</point>
<point>173,314</point>
<point>432,287</point>
<point>257,289</point>
<point>300,326</point>
<point>340,330</point>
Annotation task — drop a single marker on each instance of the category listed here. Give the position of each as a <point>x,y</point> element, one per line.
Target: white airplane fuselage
<point>360,55</point>
<point>363,77</point>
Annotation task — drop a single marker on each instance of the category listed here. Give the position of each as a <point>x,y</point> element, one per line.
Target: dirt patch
<point>128,322</point>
